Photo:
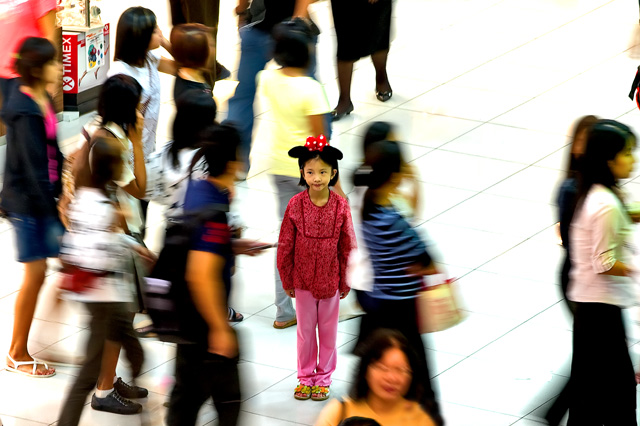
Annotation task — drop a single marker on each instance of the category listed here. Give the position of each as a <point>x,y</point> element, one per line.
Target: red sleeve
<point>346,243</point>
<point>42,7</point>
<point>286,249</point>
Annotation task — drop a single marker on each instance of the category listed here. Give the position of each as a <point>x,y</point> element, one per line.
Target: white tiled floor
<point>485,92</point>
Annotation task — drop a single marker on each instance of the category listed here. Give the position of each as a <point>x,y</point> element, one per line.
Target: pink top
<point>19,20</point>
<point>314,245</point>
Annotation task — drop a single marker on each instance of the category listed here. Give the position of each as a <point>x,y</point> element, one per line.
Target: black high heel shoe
<point>384,96</point>
<point>335,116</point>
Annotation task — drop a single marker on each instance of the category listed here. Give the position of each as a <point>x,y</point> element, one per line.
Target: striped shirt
<point>393,246</point>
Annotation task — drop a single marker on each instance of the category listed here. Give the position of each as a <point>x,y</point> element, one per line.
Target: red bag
<point>79,280</point>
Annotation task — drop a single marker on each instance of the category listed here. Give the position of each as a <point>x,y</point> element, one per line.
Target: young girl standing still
<point>316,238</point>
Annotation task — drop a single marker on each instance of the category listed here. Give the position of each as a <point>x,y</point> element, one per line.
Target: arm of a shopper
<point>331,414</point>
<point>204,280</point>
<point>301,9</point>
<point>168,66</point>
<point>346,244</point>
<point>33,153</point>
<point>286,250</point>
<point>138,187</point>
<point>606,238</point>
<point>47,26</point>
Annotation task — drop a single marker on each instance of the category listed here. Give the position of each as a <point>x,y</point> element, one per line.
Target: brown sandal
<point>302,392</point>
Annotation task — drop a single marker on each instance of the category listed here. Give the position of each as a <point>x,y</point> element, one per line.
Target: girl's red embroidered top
<point>314,245</point>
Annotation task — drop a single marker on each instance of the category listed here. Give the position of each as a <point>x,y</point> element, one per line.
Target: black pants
<point>399,315</point>
<point>200,375</point>
<point>109,321</point>
<point>603,385</point>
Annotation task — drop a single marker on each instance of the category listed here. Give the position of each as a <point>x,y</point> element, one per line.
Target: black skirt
<point>362,28</point>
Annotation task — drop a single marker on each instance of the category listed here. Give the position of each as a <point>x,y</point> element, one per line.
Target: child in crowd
<point>191,46</point>
<point>315,241</point>
<point>96,247</point>
<point>298,103</point>
<point>32,182</point>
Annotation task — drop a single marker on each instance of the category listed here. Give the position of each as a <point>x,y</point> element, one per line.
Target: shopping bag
<point>438,307</point>
<point>360,270</point>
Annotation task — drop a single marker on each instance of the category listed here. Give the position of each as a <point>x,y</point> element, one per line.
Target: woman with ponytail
<point>399,258</point>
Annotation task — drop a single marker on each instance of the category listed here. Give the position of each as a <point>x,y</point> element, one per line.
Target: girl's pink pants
<point>316,362</point>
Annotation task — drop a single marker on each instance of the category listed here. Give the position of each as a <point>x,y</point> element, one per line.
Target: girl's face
<point>622,165</point>
<point>51,72</point>
<point>318,174</point>
<point>156,38</point>
<point>389,378</point>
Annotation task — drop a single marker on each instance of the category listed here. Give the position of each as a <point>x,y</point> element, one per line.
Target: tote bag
<point>438,307</point>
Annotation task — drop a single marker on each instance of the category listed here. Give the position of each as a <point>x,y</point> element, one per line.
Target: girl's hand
<point>223,343</point>
<point>291,293</point>
<point>135,135</point>
<point>420,270</point>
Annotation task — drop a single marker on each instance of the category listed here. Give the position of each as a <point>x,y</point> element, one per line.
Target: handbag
<point>438,307</point>
<point>79,280</point>
<point>360,270</point>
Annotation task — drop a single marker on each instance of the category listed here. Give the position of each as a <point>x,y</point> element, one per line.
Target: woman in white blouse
<point>602,376</point>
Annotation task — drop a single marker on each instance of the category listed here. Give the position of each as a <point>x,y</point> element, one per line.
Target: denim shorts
<point>36,237</point>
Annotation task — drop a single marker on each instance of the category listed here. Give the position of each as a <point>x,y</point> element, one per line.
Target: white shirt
<point>129,204</point>
<point>600,235</point>
<point>149,78</point>
<point>167,185</point>
<point>92,243</point>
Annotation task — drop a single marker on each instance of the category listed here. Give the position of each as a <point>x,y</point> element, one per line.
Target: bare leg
<point>345,72</point>
<point>110,357</point>
<point>379,60</point>
<point>34,274</point>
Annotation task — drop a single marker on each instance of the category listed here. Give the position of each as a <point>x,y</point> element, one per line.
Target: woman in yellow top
<point>299,106</point>
<point>385,389</point>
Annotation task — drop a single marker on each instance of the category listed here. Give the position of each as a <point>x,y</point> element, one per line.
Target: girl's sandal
<point>302,392</point>
<point>320,393</point>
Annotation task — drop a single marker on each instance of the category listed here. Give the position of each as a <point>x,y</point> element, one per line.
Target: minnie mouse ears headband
<point>316,146</point>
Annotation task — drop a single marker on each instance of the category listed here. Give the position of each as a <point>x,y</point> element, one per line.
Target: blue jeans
<point>256,49</point>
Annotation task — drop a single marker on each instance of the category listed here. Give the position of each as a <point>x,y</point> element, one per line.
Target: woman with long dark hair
<point>399,258</point>
<point>602,376</point>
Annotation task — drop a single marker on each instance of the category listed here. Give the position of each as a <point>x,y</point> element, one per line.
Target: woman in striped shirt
<point>399,259</point>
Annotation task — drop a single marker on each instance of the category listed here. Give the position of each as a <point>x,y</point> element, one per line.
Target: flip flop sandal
<point>234,316</point>
<point>320,393</point>
<point>286,324</point>
<point>302,392</point>
<point>33,374</point>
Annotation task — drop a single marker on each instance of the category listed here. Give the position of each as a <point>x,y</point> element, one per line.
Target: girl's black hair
<point>33,55</point>
<point>195,111</point>
<point>606,139</point>
<point>329,155</point>
<point>377,344</point>
<point>190,45</point>
<point>104,157</point>
<point>292,44</point>
<point>218,146</point>
<point>582,126</point>
<point>377,131</point>
<point>358,421</point>
<point>118,101</point>
<point>384,159</point>
<point>135,29</point>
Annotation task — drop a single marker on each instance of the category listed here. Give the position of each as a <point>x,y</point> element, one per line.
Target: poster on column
<point>95,48</point>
